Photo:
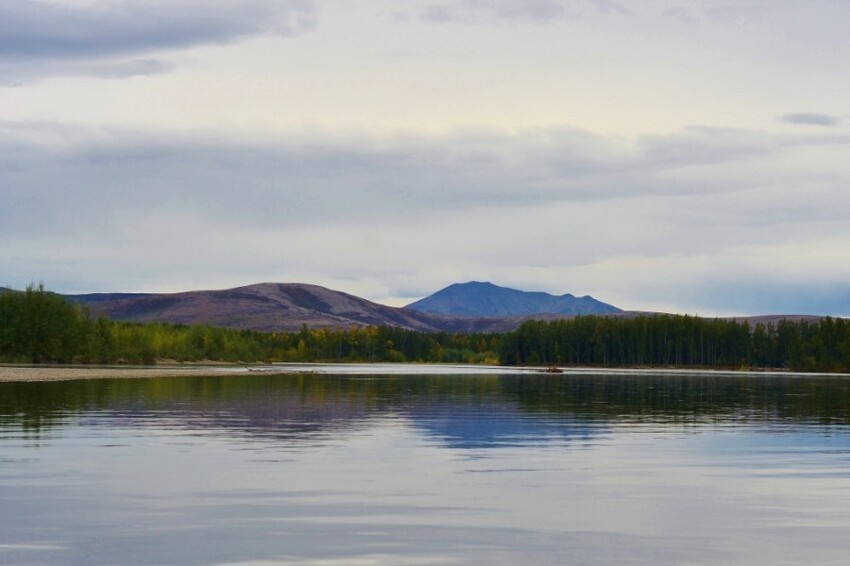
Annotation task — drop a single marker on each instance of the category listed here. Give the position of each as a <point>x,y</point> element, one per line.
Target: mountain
<point>288,306</point>
<point>264,306</point>
<point>477,299</point>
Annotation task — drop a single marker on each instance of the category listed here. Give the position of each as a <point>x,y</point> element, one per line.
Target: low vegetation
<point>37,326</point>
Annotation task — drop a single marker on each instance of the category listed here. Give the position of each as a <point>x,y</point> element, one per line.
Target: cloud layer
<point>619,220</point>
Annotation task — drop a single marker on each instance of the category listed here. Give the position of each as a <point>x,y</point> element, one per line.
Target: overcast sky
<point>684,156</point>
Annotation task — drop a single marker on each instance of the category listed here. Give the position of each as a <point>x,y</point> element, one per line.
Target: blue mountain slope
<point>482,299</point>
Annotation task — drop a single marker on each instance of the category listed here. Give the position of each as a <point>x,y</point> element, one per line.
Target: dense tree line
<point>37,326</point>
<point>681,341</point>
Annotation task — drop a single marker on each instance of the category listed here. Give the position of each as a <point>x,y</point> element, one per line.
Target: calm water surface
<point>426,469</point>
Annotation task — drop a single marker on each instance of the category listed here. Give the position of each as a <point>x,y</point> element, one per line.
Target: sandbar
<point>65,373</point>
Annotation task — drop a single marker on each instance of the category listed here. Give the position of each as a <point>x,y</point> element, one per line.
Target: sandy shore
<point>48,373</point>
<point>65,373</point>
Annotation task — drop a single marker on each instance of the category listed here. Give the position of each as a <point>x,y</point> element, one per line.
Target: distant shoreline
<point>19,373</point>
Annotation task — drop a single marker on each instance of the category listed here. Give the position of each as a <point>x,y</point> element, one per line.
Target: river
<point>427,467</point>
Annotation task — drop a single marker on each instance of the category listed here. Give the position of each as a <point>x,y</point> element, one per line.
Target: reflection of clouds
<point>499,426</point>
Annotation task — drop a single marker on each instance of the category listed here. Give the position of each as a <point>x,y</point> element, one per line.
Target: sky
<point>680,156</point>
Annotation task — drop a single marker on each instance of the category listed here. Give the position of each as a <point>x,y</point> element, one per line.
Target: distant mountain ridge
<point>286,307</point>
<point>289,306</point>
<point>484,299</point>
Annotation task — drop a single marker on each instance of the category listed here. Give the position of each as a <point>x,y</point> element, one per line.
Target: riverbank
<point>10,373</point>
<point>66,373</point>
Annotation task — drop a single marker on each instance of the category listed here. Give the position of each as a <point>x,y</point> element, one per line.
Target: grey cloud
<point>264,186</point>
<point>680,13</point>
<point>113,69</point>
<point>740,11</point>
<point>610,7</point>
<point>78,180</point>
<point>809,119</point>
<point>53,178</point>
<point>696,145</point>
<point>97,38</point>
<point>15,74</point>
<point>477,11</point>
<point>37,29</point>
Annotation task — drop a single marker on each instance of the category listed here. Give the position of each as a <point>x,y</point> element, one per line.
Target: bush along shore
<point>37,326</point>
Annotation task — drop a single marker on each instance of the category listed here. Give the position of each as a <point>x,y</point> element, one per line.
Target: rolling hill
<point>264,306</point>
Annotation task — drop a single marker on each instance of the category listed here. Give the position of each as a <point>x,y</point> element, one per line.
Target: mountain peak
<point>485,299</point>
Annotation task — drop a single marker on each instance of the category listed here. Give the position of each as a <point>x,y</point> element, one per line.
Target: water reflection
<point>426,469</point>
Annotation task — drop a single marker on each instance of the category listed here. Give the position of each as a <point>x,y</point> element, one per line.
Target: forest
<point>37,326</point>
<point>681,341</point>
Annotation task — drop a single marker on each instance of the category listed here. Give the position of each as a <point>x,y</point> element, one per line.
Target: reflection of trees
<point>296,405</point>
<point>683,398</point>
